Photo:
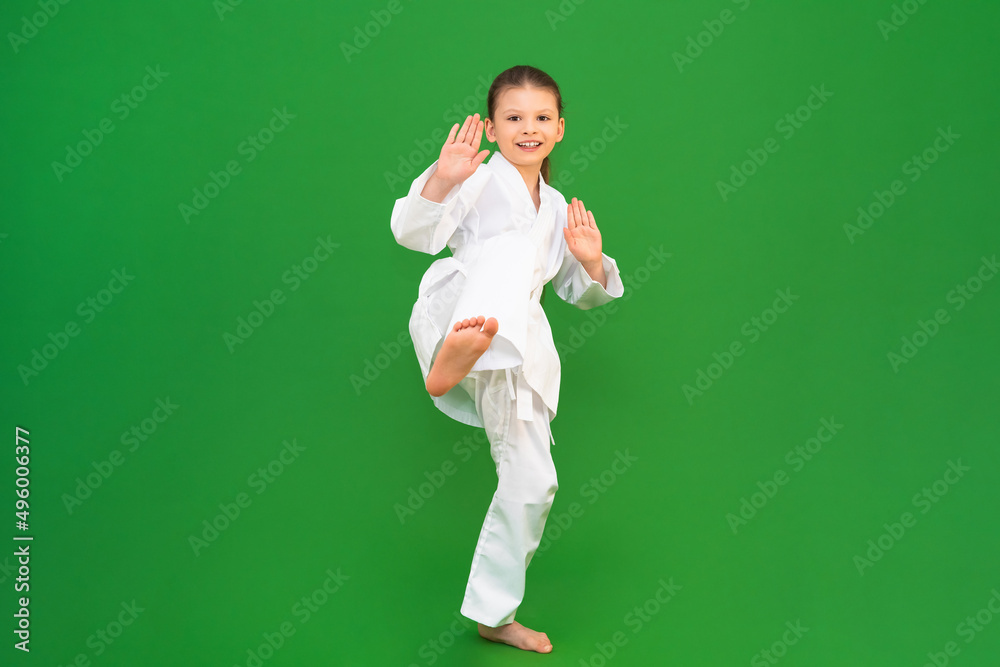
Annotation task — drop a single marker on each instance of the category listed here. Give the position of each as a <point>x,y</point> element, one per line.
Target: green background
<point>334,172</point>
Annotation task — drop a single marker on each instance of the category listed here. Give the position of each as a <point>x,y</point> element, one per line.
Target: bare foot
<point>463,346</point>
<point>516,635</point>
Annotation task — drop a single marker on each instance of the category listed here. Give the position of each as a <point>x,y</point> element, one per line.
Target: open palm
<point>582,235</point>
<point>460,155</point>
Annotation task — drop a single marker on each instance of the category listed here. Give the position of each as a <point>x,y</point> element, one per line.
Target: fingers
<point>579,215</point>
<point>571,214</point>
<point>461,133</point>
<point>478,160</point>
<point>475,135</point>
<point>451,135</point>
<point>479,134</point>
<point>466,134</point>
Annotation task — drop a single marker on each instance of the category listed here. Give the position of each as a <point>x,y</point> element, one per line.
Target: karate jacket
<point>503,253</point>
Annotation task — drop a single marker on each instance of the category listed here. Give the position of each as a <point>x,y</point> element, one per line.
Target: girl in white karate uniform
<point>481,337</point>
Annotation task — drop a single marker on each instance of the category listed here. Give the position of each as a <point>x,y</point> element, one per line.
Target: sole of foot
<point>462,347</point>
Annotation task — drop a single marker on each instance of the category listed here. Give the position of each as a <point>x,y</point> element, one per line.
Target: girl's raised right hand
<point>460,155</point>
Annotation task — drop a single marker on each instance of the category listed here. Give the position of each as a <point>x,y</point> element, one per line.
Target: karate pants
<point>526,487</point>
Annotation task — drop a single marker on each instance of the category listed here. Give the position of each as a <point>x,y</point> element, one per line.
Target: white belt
<point>522,397</point>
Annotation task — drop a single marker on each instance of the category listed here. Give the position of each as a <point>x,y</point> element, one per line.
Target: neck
<point>530,175</point>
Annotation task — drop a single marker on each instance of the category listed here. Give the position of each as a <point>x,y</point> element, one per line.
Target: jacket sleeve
<point>426,226</point>
<point>572,282</point>
<point>575,286</point>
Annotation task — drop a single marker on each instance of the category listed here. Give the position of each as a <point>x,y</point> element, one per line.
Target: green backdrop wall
<point>780,447</point>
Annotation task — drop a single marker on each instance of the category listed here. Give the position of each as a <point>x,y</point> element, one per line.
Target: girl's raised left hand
<point>582,235</point>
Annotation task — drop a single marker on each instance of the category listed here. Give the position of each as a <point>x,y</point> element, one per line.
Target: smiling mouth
<point>530,144</point>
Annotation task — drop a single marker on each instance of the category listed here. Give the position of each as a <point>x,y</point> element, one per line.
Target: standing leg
<point>512,530</point>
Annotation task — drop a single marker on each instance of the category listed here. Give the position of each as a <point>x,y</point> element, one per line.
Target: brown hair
<point>524,76</point>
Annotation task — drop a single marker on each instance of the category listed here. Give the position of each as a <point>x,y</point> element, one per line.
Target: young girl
<point>481,337</point>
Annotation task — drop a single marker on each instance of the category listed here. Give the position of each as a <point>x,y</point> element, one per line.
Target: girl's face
<point>524,117</point>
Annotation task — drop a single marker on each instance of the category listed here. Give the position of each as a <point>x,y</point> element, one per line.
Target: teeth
<point>529,144</point>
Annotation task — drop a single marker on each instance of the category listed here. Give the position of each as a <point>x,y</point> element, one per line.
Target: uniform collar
<point>499,164</point>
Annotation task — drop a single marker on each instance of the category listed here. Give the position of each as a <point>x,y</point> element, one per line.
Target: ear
<point>562,130</point>
<point>490,132</point>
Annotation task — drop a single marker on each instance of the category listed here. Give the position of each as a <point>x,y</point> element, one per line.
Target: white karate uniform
<point>503,253</point>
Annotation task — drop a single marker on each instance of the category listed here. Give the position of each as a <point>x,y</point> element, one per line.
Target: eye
<point>543,118</point>
<point>512,117</point>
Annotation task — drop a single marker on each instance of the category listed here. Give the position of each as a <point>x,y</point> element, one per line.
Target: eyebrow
<point>546,110</point>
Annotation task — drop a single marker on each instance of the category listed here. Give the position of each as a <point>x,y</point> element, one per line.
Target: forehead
<point>526,100</point>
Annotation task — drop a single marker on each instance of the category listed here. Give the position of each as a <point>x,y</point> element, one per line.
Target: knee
<point>545,487</point>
